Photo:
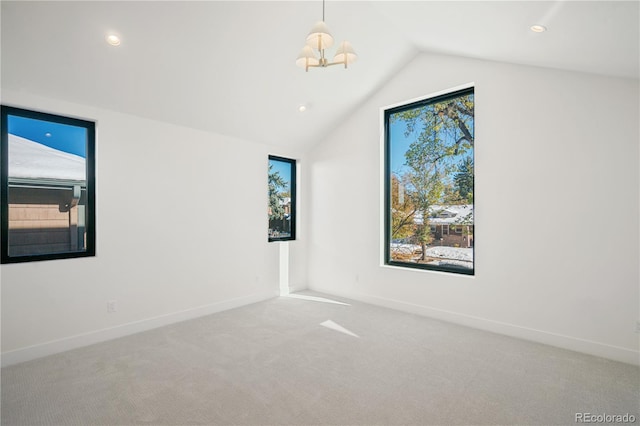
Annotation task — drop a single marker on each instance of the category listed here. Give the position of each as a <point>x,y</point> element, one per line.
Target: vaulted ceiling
<point>229,66</point>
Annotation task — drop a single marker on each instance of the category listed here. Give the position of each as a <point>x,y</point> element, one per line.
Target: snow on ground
<point>443,252</point>
<point>456,253</point>
<point>449,262</point>
<point>404,248</point>
<point>445,255</point>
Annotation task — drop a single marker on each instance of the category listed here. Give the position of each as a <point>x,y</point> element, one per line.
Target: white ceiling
<point>229,66</point>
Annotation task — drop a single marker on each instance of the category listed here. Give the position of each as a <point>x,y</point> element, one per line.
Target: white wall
<point>181,232</point>
<point>557,155</point>
<point>556,209</point>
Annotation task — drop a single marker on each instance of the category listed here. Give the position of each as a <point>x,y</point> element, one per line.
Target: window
<point>282,199</point>
<point>429,189</point>
<point>47,186</point>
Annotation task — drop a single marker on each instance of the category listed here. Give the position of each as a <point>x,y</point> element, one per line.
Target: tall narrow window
<point>47,186</point>
<point>429,190</point>
<point>282,199</point>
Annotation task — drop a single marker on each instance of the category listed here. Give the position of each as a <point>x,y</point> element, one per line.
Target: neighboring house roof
<point>32,160</point>
<point>449,215</point>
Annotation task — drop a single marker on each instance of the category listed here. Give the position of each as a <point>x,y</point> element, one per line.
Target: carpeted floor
<point>303,361</point>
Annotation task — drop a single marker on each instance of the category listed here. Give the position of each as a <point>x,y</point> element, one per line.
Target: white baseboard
<point>86,339</point>
<point>293,288</point>
<point>589,347</point>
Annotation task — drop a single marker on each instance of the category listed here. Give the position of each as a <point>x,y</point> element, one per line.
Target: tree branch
<point>403,222</point>
<point>465,132</point>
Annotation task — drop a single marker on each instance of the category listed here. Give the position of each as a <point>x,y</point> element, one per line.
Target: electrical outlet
<point>112,306</point>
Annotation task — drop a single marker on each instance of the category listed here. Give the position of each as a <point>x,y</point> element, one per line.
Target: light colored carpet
<point>299,362</point>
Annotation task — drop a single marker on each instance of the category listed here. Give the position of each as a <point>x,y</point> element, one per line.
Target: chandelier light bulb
<point>345,54</point>
<point>307,58</point>
<point>319,37</point>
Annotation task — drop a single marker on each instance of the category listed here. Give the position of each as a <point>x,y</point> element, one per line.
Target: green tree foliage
<point>443,134</point>
<point>402,210</point>
<point>464,180</point>
<point>276,197</point>
<point>425,180</point>
<point>452,118</point>
<point>451,196</point>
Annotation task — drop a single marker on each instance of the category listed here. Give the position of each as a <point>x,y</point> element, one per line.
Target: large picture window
<point>282,199</point>
<point>429,190</point>
<point>47,186</point>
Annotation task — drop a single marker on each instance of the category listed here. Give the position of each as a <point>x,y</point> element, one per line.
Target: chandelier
<point>319,39</point>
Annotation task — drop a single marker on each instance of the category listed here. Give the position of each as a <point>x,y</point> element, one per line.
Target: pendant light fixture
<point>319,39</point>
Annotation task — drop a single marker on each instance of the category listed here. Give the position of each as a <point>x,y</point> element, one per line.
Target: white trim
<point>284,268</point>
<point>90,338</point>
<point>603,350</point>
<point>294,288</point>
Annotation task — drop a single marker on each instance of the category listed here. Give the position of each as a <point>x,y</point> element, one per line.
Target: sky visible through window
<point>401,143</point>
<point>283,169</point>
<point>63,137</point>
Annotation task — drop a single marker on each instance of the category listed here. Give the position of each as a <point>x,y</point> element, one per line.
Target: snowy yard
<point>441,255</point>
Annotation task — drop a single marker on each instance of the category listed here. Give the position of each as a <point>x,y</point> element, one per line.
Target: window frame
<point>292,189</point>
<point>386,113</point>
<point>90,213</point>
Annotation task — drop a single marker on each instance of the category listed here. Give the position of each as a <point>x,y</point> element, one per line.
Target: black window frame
<point>387,182</point>
<point>90,217</point>
<point>293,207</point>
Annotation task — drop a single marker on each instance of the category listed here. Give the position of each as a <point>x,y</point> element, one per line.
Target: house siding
<point>45,225</point>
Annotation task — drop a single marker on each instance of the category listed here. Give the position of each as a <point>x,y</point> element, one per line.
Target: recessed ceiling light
<point>538,28</point>
<point>302,108</point>
<point>113,40</point>
<point>48,134</point>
